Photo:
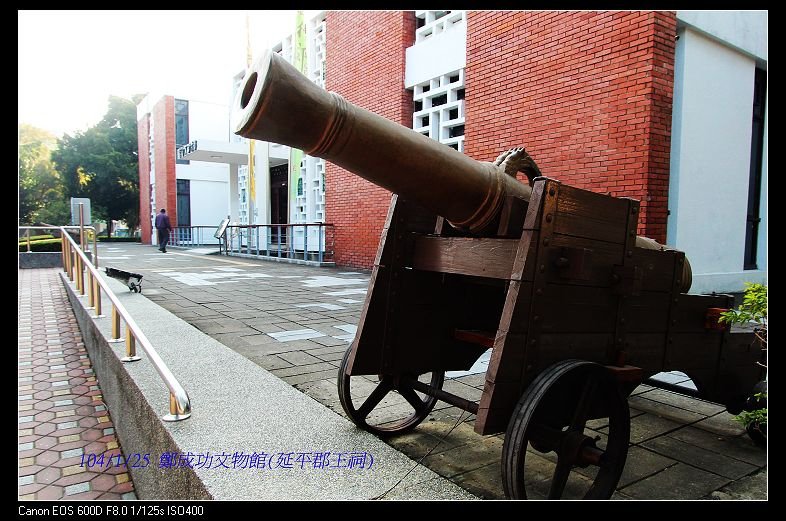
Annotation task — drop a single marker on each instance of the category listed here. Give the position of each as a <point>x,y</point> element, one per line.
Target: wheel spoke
<point>582,409</point>
<point>560,478</point>
<point>374,398</point>
<point>411,396</point>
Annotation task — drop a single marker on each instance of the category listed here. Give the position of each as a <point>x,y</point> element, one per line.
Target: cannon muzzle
<point>277,103</point>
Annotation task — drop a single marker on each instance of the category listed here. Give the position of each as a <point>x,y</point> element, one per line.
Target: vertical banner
<point>295,155</point>
<point>251,175</point>
<point>252,184</point>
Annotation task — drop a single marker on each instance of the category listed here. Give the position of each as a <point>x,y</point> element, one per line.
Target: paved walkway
<point>62,419</point>
<point>297,322</point>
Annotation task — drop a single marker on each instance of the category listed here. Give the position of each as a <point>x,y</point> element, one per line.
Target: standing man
<point>163,227</point>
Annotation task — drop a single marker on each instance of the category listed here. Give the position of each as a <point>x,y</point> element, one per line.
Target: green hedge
<point>39,246</point>
<point>34,238</point>
<point>119,239</point>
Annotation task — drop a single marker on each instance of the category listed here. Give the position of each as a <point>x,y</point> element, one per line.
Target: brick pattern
<point>166,177</point>
<point>589,94</point>
<point>143,133</point>
<point>365,64</point>
<point>61,413</point>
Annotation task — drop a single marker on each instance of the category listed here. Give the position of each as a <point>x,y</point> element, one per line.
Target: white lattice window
<point>316,51</point>
<point>439,109</point>
<point>285,49</point>
<point>432,23</point>
<point>242,194</point>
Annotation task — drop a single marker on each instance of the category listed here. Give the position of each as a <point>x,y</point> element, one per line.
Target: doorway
<point>279,210</point>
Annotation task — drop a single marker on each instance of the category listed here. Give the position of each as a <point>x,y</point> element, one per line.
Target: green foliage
<point>101,163</point>
<point>756,417</point>
<point>752,309</point>
<point>42,196</point>
<point>44,245</point>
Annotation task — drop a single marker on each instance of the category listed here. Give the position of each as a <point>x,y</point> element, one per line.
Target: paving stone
<point>642,463</point>
<point>302,369</point>
<point>685,402</point>
<point>740,447</point>
<point>722,424</point>
<point>752,487</point>
<point>664,410</point>
<point>484,482</point>
<point>700,457</point>
<point>299,358</point>
<point>679,481</point>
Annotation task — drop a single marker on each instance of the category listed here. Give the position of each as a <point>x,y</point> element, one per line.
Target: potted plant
<point>753,311</point>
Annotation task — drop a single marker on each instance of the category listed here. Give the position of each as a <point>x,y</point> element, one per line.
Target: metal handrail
<point>75,263</point>
<point>323,248</point>
<point>89,228</point>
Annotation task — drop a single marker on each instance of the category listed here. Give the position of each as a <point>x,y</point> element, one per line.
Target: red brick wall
<point>143,133</point>
<point>365,64</point>
<point>589,94</point>
<point>166,178</point>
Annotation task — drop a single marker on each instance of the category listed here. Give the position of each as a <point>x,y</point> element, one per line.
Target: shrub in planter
<point>753,311</point>
<point>34,238</point>
<point>40,246</point>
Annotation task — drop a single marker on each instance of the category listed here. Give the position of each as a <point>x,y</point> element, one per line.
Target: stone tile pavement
<point>62,419</point>
<point>297,322</point>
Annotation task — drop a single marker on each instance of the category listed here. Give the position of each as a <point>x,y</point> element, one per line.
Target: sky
<point>70,62</point>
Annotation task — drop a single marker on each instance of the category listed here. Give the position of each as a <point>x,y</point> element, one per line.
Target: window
<point>181,127</point>
<point>754,182</point>
<point>183,202</point>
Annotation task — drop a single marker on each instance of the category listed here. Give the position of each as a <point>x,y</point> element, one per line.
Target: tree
<point>101,163</point>
<point>42,195</point>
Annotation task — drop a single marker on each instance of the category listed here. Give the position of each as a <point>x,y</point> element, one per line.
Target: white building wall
<point>745,30</point>
<point>710,161</point>
<point>208,121</point>
<point>208,201</point>
<point>437,54</point>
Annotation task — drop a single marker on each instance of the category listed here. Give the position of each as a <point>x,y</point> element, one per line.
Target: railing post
<point>279,241</point>
<point>70,260</point>
<point>320,246</point>
<point>115,325</point>
<point>90,299</point>
<point>63,253</point>
<point>82,226</point>
<point>291,240</point>
<point>95,248</point>
<point>28,240</point>
<point>305,242</point>
<point>80,275</point>
<point>131,355</point>
<point>257,239</point>
<point>97,297</point>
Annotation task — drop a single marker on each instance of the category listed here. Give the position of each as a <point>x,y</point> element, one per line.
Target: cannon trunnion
<point>576,308</point>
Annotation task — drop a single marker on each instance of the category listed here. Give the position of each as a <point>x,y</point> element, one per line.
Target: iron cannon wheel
<point>549,452</point>
<point>398,411</point>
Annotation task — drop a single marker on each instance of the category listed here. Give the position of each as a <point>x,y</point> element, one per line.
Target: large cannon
<point>576,308</point>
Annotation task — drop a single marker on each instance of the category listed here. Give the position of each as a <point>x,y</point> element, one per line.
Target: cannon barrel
<point>277,103</point>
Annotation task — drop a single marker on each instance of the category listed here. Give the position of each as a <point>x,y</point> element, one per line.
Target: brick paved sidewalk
<point>61,413</point>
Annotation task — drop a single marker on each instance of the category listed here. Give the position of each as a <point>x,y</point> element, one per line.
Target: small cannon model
<point>132,280</point>
<point>576,308</point>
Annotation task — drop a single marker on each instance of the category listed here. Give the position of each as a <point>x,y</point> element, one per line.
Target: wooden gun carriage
<point>576,308</point>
